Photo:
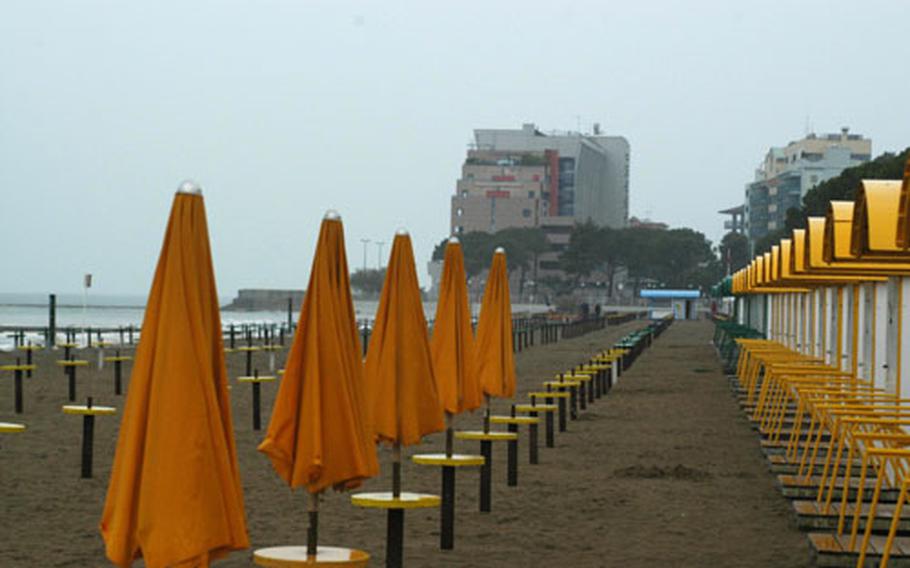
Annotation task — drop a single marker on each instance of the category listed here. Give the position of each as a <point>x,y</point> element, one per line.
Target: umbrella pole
<point>450,435</point>
<point>396,470</point>
<point>312,533</point>
<point>486,414</point>
<point>395,523</point>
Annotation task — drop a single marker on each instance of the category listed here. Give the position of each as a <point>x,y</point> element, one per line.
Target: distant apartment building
<point>526,178</point>
<point>788,173</point>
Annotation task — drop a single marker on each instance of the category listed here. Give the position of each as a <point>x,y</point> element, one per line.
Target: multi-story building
<point>587,175</point>
<point>498,190</point>
<point>787,174</point>
<point>525,178</point>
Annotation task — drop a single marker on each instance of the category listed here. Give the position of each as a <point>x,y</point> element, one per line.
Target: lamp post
<point>365,243</point>
<point>379,255</point>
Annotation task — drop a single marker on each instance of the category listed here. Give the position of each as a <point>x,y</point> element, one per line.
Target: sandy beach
<point>662,472</point>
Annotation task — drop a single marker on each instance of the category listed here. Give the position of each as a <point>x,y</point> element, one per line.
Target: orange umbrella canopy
<point>452,345</point>
<point>318,436</point>
<point>496,365</point>
<point>174,495</point>
<point>404,404</point>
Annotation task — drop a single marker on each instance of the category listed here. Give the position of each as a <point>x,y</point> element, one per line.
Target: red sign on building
<point>499,194</point>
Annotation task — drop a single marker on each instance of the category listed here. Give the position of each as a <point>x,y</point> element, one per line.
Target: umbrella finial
<point>332,215</point>
<point>401,232</point>
<point>190,187</point>
<point>454,241</point>
<point>499,250</point>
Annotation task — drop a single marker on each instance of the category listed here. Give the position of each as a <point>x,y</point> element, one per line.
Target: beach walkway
<point>665,471</point>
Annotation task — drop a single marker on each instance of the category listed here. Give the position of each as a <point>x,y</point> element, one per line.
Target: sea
<point>115,311</point>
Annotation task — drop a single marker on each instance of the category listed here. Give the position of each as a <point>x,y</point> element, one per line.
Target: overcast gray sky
<point>283,109</point>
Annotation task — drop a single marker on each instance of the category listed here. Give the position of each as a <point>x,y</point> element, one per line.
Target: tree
<point>368,282</point>
<point>765,243</point>
<point>677,258</point>
<point>734,249</point>
<point>522,245</point>
<point>581,257</point>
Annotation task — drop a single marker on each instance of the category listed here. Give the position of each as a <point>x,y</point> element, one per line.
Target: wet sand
<point>663,472</point>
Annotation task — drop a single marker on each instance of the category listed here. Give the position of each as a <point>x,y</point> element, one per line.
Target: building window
<point>813,180</point>
<point>531,194</point>
<point>459,229</point>
<point>526,213</point>
<point>459,212</point>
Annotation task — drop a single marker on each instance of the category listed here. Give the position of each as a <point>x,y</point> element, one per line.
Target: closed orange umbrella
<point>174,496</point>
<point>404,405</point>
<point>496,365</point>
<point>403,401</point>
<point>317,436</point>
<point>452,345</point>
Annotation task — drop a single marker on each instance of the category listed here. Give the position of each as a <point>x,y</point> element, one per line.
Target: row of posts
<point>525,331</point>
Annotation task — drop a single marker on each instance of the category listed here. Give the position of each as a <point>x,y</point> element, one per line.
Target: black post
<point>551,436</point>
<point>231,335</point>
<point>88,435</point>
<point>447,532</point>
<point>52,320</point>
<point>28,360</point>
<point>533,430</point>
<point>582,395</point>
<point>249,363</point>
<point>18,379</point>
<point>257,419</point>
<point>290,313</point>
<point>312,532</point>
<point>71,370</point>
<point>597,384</point>
<point>118,385</point>
<point>486,476</point>
<point>512,474</point>
<point>130,333</point>
<point>573,402</point>
<point>394,554</point>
